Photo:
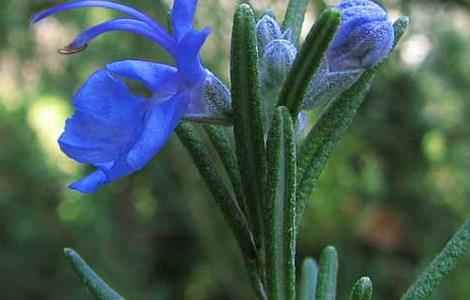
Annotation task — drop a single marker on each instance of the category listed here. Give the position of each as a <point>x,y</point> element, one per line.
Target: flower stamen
<point>70,49</point>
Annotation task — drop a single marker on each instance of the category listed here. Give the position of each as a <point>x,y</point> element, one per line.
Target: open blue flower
<point>119,132</point>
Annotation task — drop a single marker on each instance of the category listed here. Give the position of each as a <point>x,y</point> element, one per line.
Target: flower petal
<point>156,77</point>
<point>106,118</point>
<point>365,36</point>
<point>110,5</point>
<point>90,183</point>
<point>160,122</point>
<point>187,57</point>
<point>130,25</point>
<point>182,16</point>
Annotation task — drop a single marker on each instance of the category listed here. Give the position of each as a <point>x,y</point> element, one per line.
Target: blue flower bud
<point>364,39</point>
<point>267,30</point>
<point>215,104</point>
<point>277,61</point>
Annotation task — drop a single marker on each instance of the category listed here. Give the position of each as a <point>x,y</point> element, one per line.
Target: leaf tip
<point>365,280</point>
<point>330,251</point>
<point>362,289</point>
<point>332,13</point>
<point>400,27</point>
<point>245,8</point>
<point>310,264</point>
<point>404,20</point>
<point>69,252</point>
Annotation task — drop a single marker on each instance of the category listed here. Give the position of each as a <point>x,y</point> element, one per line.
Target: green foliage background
<point>392,194</point>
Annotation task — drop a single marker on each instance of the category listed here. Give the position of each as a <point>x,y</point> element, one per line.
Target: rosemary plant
<point>275,79</point>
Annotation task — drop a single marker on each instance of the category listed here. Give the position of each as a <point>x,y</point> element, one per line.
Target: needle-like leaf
<point>327,276</point>
<point>280,208</point>
<point>247,115</point>
<point>100,289</point>
<point>441,266</point>
<point>229,208</point>
<point>362,290</point>
<point>308,280</point>
<point>308,60</point>
<point>224,147</point>
<point>294,18</point>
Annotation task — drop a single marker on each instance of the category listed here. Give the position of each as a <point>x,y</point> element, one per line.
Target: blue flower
<point>364,39</point>
<point>119,132</point>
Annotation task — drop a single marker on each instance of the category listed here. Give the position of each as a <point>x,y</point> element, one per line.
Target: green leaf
<point>308,60</point>
<point>308,280</point>
<point>229,208</point>
<point>223,145</point>
<point>362,290</point>
<point>400,27</point>
<point>320,5</point>
<point>322,139</point>
<point>247,115</point>
<point>333,122</point>
<point>327,276</point>
<point>441,266</point>
<point>294,18</point>
<point>94,283</point>
<point>280,208</point>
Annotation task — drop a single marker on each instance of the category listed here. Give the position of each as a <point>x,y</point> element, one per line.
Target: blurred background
<point>394,191</point>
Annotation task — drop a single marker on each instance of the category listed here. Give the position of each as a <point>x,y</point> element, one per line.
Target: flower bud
<point>214,104</point>
<point>364,39</point>
<point>326,85</point>
<point>277,61</point>
<point>267,30</point>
